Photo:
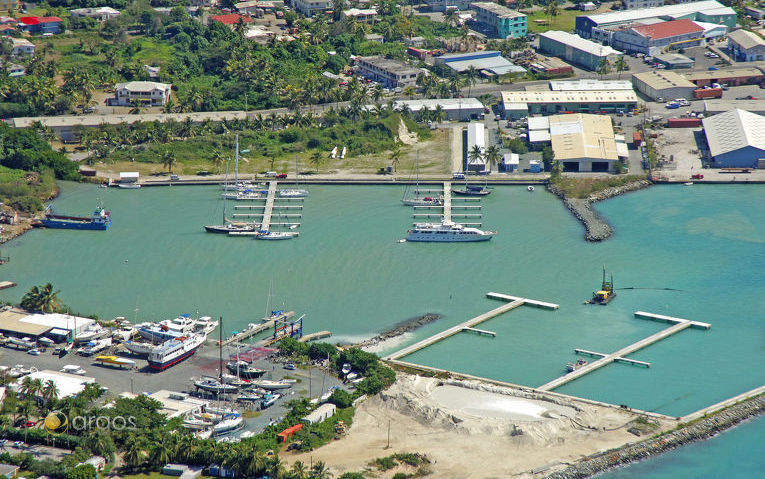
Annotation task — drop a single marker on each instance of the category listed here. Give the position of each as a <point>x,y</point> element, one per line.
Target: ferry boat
<point>99,220</point>
<point>447,232</point>
<point>175,351</point>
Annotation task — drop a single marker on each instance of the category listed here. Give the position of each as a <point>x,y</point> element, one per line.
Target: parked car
<point>672,106</point>
<point>660,100</point>
<point>458,176</point>
<point>281,175</point>
<point>712,68</point>
<point>18,444</point>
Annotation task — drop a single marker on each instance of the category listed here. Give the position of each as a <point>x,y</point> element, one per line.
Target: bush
<point>341,398</point>
<point>516,145</point>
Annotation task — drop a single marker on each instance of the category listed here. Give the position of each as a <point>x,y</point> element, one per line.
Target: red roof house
<point>662,30</point>
<point>230,18</point>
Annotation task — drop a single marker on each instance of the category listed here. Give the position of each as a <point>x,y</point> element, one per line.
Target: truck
<point>683,122</point>
<point>703,93</point>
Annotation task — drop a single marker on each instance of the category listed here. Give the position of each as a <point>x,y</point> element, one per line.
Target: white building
<point>588,84</point>
<point>459,109</point>
<point>174,404</point>
<point>746,46</point>
<point>391,73</point>
<point>21,47</point>
<point>310,7</point>
<point>321,413</point>
<point>362,15</point>
<point>475,136</point>
<point>149,93</point>
<point>67,385</point>
<point>444,5</point>
<point>636,4</point>
<point>101,14</point>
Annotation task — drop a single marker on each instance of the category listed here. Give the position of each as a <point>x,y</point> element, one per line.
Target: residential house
<point>148,93</point>
<point>101,14</point>
<point>22,47</point>
<point>40,24</point>
<point>310,7</point>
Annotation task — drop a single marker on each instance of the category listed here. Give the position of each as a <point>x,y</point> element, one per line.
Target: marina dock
<point>619,360</point>
<point>265,224</point>
<point>620,355</point>
<point>670,319</point>
<point>445,211</point>
<point>270,210</point>
<point>448,202</point>
<point>470,324</point>
<point>530,302</point>
<point>7,284</point>
<point>314,336</point>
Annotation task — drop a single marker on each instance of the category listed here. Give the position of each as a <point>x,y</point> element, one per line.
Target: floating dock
<point>447,211</point>
<point>620,355</point>
<point>265,224</point>
<point>619,360</point>
<point>314,336</point>
<point>471,323</point>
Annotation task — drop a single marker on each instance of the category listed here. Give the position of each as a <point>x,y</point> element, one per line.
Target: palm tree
<point>452,18</point>
<point>168,158</point>
<point>299,470</point>
<point>218,158</point>
<point>316,159</point>
<point>135,107</point>
<point>134,453</point>
<point>552,10</point>
<point>471,76</point>
<point>50,391</point>
<point>319,471</point>
<point>475,154</point>
<point>492,156</point>
<point>161,452</point>
<point>604,67</point>
<point>395,156</point>
<point>48,301</point>
<point>621,65</point>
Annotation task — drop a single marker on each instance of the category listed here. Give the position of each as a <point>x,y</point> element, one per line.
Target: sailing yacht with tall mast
<point>229,226</point>
<point>417,200</point>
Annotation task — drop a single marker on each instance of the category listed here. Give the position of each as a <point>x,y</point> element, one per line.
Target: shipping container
<point>637,139</point>
<point>708,93</point>
<point>683,122</point>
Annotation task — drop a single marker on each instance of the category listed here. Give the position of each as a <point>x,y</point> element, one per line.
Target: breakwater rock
<point>596,228</point>
<point>697,431</point>
<point>401,328</point>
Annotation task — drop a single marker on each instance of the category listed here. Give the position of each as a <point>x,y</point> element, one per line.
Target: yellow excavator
<point>606,292</point>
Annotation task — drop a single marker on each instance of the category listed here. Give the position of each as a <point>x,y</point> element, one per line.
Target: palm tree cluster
<point>41,298</point>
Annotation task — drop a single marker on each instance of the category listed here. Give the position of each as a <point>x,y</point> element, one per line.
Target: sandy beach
<point>472,429</point>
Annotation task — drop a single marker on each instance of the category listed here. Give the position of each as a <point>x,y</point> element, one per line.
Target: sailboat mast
<point>220,350</point>
<point>225,191</point>
<point>236,164</point>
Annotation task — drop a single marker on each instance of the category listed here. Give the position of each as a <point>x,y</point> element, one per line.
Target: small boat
<point>231,422</point>
<point>205,324</point>
<point>346,368</point>
<point>214,386</point>
<point>530,188</point>
<point>292,193</point>
<point>269,400</point>
<point>606,292</point>
<point>73,369</point>
<point>196,423</point>
<point>34,352</point>
<point>129,186</point>
<point>116,361</point>
<point>426,201</point>
<point>46,341</point>
<point>19,370</point>
<point>93,347</point>
<point>292,227</point>
<point>124,333</point>
<point>92,332</point>
<point>249,398</point>
<point>234,381</point>
<point>140,349</point>
<point>580,363</point>
<point>471,190</point>
<point>275,235</point>
<point>22,343</point>
<point>219,411</point>
<point>688,183</point>
<point>245,370</point>
<point>271,385</point>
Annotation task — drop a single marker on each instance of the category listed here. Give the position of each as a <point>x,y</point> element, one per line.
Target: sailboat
<point>293,192</point>
<point>229,226</point>
<point>420,201</point>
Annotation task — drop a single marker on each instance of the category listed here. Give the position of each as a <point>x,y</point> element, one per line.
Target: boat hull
<point>470,192</point>
<point>161,366</point>
<point>75,225</point>
<point>434,238</point>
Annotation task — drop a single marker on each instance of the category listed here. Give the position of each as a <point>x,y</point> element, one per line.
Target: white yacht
<point>205,324</point>
<point>447,232</point>
<point>425,201</point>
<point>230,422</point>
<point>139,348</point>
<point>292,193</point>
<point>275,235</point>
<point>175,351</point>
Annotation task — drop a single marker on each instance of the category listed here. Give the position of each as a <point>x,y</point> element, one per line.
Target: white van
<point>271,174</point>
<point>458,176</point>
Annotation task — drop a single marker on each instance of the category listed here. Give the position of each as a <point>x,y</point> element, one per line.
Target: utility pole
<point>388,446</point>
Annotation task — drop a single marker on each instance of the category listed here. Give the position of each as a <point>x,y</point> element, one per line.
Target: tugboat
<point>606,292</point>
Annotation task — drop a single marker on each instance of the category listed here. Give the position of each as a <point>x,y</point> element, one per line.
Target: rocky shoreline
<point>700,430</point>
<point>399,329</point>
<point>597,228</point>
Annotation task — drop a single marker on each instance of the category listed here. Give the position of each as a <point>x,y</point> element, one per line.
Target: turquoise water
<point>348,274</point>
<point>735,454</point>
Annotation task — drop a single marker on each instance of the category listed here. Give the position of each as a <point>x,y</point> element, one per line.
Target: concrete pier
<point>670,319</point>
<point>314,336</point>
<point>482,331</point>
<point>265,225</point>
<point>619,360</point>
<point>530,302</point>
<point>680,324</point>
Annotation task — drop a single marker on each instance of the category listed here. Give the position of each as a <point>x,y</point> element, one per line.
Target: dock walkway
<point>259,328</point>
<point>447,201</point>
<point>265,223</point>
<point>620,355</point>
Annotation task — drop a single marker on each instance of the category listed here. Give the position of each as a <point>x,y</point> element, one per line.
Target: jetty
<point>680,324</point>
<point>270,209</point>
<point>446,213</point>
<point>265,224</point>
<point>268,323</point>
<point>6,284</point>
<point>314,336</point>
<point>470,324</point>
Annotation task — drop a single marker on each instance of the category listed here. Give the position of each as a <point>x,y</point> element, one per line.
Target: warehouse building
<point>20,323</point>
<point>581,142</point>
<point>456,109</point>
<point>576,50</point>
<point>665,84</point>
<point>500,19</point>
<point>715,106</point>
<point>638,4</point>
<point>519,104</point>
<point>654,38</point>
<point>730,76</point>
<point>487,62</point>
<point>674,60</point>
<point>444,5</point>
<point>746,46</point>
<point>736,139</point>
<point>589,84</point>
<point>67,385</point>
<point>709,11</point>
<point>391,73</point>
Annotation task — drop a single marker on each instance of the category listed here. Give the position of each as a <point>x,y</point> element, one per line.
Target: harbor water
<point>695,253</point>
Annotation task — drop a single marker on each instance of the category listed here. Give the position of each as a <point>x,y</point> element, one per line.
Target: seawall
<point>596,228</point>
<point>699,430</point>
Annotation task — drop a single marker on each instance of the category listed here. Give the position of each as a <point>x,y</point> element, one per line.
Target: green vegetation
<point>41,298</point>
<point>584,187</point>
<point>415,460</point>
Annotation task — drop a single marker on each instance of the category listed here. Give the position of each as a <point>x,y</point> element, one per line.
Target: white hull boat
<point>276,235</point>
<point>269,385</point>
<point>447,233</point>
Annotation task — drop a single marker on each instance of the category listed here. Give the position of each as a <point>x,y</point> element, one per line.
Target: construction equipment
<point>606,292</point>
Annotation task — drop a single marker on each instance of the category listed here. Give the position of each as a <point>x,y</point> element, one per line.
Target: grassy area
<point>583,187</point>
<point>565,21</point>
<point>24,190</point>
<point>150,475</point>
